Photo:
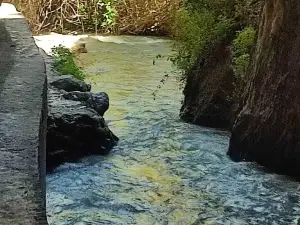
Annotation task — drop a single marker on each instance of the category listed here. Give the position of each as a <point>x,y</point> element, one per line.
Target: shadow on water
<point>163,171</point>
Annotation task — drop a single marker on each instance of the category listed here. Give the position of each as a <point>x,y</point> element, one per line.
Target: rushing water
<point>163,171</point>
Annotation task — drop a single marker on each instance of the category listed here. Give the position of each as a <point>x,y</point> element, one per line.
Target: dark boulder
<point>75,129</point>
<point>100,102</point>
<point>76,126</point>
<point>97,101</point>
<point>69,83</point>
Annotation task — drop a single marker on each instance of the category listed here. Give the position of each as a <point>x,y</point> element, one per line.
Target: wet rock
<point>100,102</point>
<point>75,129</point>
<point>77,96</point>
<point>76,126</point>
<point>97,101</point>
<point>209,91</point>
<point>69,83</point>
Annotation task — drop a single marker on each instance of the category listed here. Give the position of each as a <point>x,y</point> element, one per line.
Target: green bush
<point>241,48</point>
<point>110,14</point>
<point>203,23</point>
<point>195,32</point>
<point>98,15</point>
<point>64,62</point>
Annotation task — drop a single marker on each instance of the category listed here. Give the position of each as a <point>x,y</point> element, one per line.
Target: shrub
<point>113,16</point>
<point>195,32</point>
<point>203,23</point>
<point>64,62</point>
<point>98,15</point>
<point>241,48</point>
<point>146,17</point>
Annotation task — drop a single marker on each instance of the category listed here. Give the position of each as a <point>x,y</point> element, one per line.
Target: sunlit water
<point>163,171</point>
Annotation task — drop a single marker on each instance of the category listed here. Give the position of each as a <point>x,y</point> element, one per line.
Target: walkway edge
<point>23,116</point>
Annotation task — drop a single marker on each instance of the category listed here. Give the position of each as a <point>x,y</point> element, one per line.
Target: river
<point>163,171</point>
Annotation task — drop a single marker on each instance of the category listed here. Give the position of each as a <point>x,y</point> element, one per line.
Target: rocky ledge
<point>76,126</point>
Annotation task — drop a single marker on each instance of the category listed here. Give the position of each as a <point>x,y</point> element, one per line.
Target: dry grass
<point>133,17</point>
<point>146,16</point>
<point>52,15</point>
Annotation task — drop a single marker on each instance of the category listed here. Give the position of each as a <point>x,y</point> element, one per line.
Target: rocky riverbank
<point>76,126</point>
<point>180,171</point>
<point>267,128</point>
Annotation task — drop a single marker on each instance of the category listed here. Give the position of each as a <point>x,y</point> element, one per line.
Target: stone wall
<point>23,113</point>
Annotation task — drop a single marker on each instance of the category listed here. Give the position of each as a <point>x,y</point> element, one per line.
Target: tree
<point>267,129</point>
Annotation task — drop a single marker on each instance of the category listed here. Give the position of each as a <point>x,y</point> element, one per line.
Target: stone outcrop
<point>68,83</point>
<point>76,126</point>
<point>267,130</point>
<point>209,91</point>
<point>97,101</point>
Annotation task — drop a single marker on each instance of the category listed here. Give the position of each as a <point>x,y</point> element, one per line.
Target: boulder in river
<point>76,126</point>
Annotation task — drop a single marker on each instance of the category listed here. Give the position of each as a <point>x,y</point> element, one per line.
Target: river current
<point>163,171</point>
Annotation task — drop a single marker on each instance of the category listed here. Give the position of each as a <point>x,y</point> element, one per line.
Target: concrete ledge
<point>23,113</point>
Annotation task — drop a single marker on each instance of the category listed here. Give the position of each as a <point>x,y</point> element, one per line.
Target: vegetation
<point>201,24</point>
<point>112,16</point>
<point>196,25</point>
<point>242,45</point>
<point>195,32</point>
<point>146,17</point>
<point>64,62</point>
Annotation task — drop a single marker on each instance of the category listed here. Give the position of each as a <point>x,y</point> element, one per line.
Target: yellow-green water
<point>163,171</point>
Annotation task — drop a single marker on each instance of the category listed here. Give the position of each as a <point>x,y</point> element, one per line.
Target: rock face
<point>76,126</point>
<point>267,129</point>
<point>97,101</point>
<point>68,83</point>
<point>209,90</point>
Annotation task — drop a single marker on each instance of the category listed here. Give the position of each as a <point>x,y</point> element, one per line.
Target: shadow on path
<point>6,53</point>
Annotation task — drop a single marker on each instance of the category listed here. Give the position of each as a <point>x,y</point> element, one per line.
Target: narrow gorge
<point>197,123</point>
<point>162,170</point>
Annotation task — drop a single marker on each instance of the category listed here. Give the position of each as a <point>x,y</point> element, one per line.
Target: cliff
<point>209,91</point>
<point>267,128</point>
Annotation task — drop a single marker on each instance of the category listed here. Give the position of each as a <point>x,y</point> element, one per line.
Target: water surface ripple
<point>163,171</point>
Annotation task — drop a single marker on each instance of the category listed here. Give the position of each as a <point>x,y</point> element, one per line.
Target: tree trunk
<point>267,129</point>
